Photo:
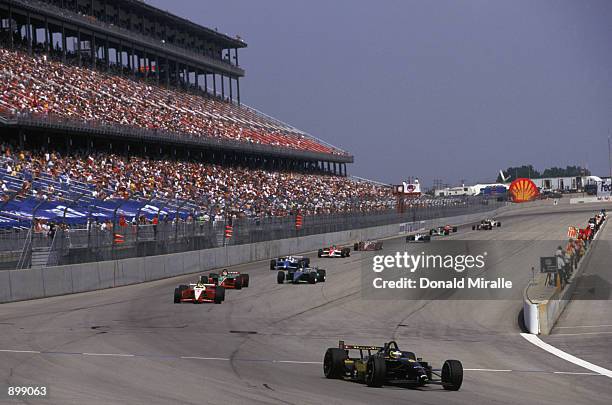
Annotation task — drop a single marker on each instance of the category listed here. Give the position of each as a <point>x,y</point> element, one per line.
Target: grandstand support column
<point>214,84</point>
<point>205,83</point>
<point>47,34</point>
<point>231,96</point>
<point>119,58</point>
<point>29,32</point>
<point>34,35</point>
<point>94,51</point>
<point>176,65</point>
<point>145,61</point>
<point>167,72</point>
<point>131,61</point>
<point>197,81</point>
<point>63,42</point>
<point>107,54</point>
<point>222,87</point>
<point>238,88</point>
<point>10,20</point>
<point>157,68</point>
<point>79,46</point>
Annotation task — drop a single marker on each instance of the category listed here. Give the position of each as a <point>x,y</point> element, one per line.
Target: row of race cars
<point>297,269</point>
<point>445,230</point>
<point>294,269</point>
<point>374,365</point>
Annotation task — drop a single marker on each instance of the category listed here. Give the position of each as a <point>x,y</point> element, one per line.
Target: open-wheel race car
<point>198,293</point>
<point>289,262</point>
<point>368,245</point>
<point>304,274</point>
<point>443,230</point>
<point>334,251</point>
<point>377,366</point>
<point>418,237</point>
<point>486,224</point>
<point>233,280</point>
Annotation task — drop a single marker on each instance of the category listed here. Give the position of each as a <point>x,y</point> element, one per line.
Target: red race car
<point>199,293</point>
<point>233,280</point>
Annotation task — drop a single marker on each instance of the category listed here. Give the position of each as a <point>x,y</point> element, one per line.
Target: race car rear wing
<point>344,346</point>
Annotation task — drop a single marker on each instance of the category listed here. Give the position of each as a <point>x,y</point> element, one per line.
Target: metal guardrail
<point>92,243</point>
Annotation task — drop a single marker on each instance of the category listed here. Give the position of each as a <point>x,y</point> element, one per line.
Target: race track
<point>265,344</point>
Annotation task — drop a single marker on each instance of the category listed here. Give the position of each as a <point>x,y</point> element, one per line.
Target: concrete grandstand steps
<point>40,257</point>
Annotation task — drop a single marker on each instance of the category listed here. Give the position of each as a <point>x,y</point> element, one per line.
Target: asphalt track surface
<point>265,344</point>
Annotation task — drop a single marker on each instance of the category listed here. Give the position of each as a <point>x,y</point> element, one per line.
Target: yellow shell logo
<point>523,190</point>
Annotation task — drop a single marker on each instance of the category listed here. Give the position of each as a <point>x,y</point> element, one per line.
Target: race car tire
<point>356,247</point>
<point>272,264</point>
<point>454,229</point>
<point>320,253</point>
<point>410,238</point>
<point>473,227</point>
<point>342,253</point>
<point>238,283</point>
<point>213,278</point>
<point>333,362</point>
<point>431,232</point>
<point>245,280</point>
<point>426,238</point>
<point>219,295</point>
<point>446,233</point>
<point>346,252</point>
<point>280,277</point>
<point>376,369</point>
<point>312,277</point>
<point>499,224</point>
<point>452,375</point>
<point>177,296</point>
<point>322,274</point>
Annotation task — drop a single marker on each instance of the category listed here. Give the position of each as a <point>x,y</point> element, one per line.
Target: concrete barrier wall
<point>17,285</point>
<point>540,316</point>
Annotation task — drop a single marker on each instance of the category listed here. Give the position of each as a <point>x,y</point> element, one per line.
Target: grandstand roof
<point>226,40</point>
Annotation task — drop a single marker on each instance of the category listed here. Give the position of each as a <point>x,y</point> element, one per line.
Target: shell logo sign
<point>523,190</point>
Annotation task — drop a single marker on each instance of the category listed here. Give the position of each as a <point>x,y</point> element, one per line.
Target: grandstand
<point>124,134</point>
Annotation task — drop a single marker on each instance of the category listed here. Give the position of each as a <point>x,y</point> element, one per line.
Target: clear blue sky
<point>443,89</point>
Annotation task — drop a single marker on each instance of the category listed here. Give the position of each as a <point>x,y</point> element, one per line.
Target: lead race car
<point>200,292</point>
<point>443,230</point>
<point>387,364</point>
<point>486,224</point>
<point>418,237</point>
<point>305,273</point>
<point>289,262</point>
<point>233,280</point>
<point>334,251</point>
<point>368,245</point>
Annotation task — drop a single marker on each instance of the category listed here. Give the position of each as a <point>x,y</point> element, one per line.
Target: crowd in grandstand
<point>38,85</point>
<point>216,189</point>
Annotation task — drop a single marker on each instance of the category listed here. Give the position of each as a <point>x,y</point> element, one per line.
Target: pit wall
<point>19,285</point>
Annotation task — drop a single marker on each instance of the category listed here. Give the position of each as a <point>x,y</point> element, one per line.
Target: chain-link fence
<point>93,243</point>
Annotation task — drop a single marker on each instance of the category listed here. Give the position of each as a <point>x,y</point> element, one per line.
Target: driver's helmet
<point>395,354</point>
<point>224,272</point>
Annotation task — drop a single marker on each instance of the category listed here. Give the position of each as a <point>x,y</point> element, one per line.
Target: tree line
<point>530,172</point>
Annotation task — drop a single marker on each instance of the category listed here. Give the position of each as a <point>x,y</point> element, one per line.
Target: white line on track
<point>583,326</point>
<point>204,358</point>
<point>533,339</point>
<point>493,370</point>
<point>109,354</point>
<point>20,351</point>
<point>580,333</point>
<point>576,373</point>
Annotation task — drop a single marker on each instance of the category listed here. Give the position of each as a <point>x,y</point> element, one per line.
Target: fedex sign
<point>604,188</point>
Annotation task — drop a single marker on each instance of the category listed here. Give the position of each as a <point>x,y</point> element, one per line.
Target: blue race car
<point>289,262</point>
<point>305,274</point>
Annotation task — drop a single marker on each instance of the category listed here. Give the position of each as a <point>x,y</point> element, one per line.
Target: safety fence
<point>121,240</point>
